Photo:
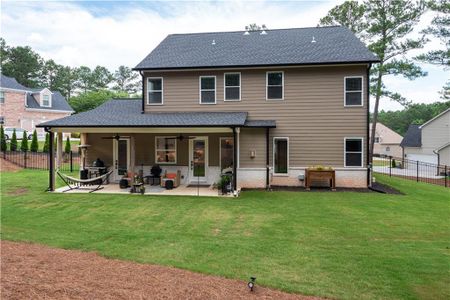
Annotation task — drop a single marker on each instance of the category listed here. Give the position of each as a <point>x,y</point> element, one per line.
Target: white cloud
<point>113,34</point>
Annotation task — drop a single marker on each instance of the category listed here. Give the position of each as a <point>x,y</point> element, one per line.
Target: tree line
<point>386,27</point>
<point>82,86</point>
<point>400,120</point>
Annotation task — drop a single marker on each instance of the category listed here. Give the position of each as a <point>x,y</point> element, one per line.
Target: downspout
<point>438,161</point>
<point>369,167</point>
<point>143,95</point>
<point>267,160</point>
<point>234,160</point>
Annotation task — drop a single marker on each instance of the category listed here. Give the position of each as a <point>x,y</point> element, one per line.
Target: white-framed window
<point>275,85</point>
<point>155,91</point>
<point>2,97</point>
<point>207,86</point>
<point>165,150</point>
<point>280,155</point>
<point>232,87</point>
<point>377,140</point>
<point>353,152</point>
<point>46,100</point>
<point>388,149</point>
<point>353,91</point>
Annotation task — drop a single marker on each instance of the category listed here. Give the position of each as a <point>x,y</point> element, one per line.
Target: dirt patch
<point>19,191</point>
<point>6,166</point>
<point>35,271</point>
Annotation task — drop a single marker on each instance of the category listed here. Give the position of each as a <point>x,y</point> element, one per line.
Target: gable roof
<point>333,45</point>
<point>128,113</point>
<point>438,116</point>
<point>11,83</point>
<point>387,135</point>
<point>58,102</point>
<point>413,137</point>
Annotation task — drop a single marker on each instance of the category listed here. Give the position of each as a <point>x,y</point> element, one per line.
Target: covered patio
<point>194,150</point>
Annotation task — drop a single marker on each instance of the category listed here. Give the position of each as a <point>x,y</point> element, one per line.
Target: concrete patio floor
<point>113,188</point>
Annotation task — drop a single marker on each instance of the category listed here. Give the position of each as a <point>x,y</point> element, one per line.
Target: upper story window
<point>207,89</point>
<point>232,87</point>
<point>353,152</point>
<point>377,140</point>
<point>155,91</point>
<point>353,91</point>
<point>275,85</point>
<point>45,100</point>
<point>2,97</point>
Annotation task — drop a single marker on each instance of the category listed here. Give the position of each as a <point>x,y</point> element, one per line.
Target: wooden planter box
<point>322,175</point>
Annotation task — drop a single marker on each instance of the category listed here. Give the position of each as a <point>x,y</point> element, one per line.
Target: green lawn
<point>339,245</point>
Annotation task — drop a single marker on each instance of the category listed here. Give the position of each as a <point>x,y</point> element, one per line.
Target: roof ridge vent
<point>313,40</point>
<point>246,31</point>
<point>213,42</point>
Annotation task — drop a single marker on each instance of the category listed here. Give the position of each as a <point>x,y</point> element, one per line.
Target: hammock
<point>75,183</point>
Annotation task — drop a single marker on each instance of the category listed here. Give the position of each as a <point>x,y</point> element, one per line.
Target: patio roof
<point>127,113</point>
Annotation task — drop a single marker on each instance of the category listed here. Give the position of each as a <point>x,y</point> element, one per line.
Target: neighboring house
<point>387,141</point>
<point>429,142</point>
<point>22,107</point>
<point>265,105</point>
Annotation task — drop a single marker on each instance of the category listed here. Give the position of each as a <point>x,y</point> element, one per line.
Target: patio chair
<point>75,183</point>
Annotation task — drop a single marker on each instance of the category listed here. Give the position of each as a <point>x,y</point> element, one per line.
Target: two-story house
<point>264,105</point>
<point>429,142</point>
<point>387,141</point>
<point>22,107</point>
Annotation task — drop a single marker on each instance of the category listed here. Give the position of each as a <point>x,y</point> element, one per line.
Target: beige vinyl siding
<point>144,148</point>
<point>436,133</point>
<point>312,113</point>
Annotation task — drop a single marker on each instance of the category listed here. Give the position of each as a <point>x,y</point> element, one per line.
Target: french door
<point>121,157</point>
<point>198,159</point>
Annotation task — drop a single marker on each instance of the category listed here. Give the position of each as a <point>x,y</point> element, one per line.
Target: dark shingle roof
<point>413,137</point>
<point>11,83</point>
<point>58,102</point>
<point>127,113</point>
<point>278,47</point>
<point>260,123</point>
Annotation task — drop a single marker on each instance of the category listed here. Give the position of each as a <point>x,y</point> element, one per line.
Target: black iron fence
<point>39,160</point>
<point>412,169</point>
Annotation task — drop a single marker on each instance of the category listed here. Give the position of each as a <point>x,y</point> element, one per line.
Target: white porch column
<point>59,149</point>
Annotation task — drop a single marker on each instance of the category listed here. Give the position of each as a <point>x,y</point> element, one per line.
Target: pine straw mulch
<point>6,166</point>
<point>37,272</point>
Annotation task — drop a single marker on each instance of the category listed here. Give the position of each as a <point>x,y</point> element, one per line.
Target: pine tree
<point>24,143</point>
<point>46,143</point>
<point>2,139</point>
<point>13,143</point>
<point>67,147</point>
<point>34,147</point>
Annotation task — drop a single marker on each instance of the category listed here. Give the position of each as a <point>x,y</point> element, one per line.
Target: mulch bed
<point>31,271</point>
<point>378,187</point>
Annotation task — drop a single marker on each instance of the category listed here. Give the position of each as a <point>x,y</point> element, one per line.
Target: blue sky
<point>113,33</point>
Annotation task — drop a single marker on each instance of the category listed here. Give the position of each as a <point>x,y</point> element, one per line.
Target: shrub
<point>67,147</point>
<point>34,147</point>
<point>394,163</point>
<point>3,146</point>
<point>24,143</point>
<point>46,143</point>
<point>13,142</point>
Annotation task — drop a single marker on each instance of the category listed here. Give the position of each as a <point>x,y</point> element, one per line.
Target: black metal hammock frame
<point>75,183</point>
